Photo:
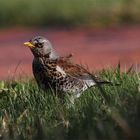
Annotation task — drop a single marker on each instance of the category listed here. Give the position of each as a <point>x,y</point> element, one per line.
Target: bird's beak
<point>29,44</point>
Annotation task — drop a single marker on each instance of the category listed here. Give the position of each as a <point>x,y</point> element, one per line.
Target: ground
<point>97,48</point>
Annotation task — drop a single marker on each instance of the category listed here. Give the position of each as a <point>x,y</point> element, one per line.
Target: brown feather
<point>70,68</point>
<point>78,71</point>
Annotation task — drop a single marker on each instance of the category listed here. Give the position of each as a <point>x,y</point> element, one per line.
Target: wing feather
<point>80,72</point>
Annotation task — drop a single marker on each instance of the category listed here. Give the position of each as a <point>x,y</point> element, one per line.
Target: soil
<point>95,48</point>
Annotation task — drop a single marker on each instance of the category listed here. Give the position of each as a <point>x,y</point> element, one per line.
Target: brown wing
<point>78,71</point>
<point>70,68</point>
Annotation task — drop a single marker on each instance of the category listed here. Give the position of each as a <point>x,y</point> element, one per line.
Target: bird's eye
<point>40,45</point>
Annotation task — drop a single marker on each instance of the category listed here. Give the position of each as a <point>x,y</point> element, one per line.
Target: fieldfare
<point>58,73</point>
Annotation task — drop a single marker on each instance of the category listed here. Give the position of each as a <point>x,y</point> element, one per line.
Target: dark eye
<point>40,45</point>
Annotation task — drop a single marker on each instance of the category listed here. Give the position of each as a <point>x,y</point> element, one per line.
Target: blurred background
<point>99,33</point>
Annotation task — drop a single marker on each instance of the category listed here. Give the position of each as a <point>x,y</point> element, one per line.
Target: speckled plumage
<point>58,73</point>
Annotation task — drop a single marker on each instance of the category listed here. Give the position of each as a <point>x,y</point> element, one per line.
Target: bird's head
<point>41,47</point>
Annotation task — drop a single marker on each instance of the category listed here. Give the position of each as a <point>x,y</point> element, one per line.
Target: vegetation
<point>111,113</point>
<point>68,12</point>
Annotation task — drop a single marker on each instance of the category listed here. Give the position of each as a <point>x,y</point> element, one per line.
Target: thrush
<point>58,73</point>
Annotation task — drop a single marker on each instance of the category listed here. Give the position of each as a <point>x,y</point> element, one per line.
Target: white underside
<point>87,79</point>
<point>88,83</point>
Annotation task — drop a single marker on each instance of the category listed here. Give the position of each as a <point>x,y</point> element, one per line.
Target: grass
<point>29,113</point>
<point>68,12</point>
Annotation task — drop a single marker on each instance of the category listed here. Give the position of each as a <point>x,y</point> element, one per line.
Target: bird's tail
<point>97,80</point>
<point>107,83</point>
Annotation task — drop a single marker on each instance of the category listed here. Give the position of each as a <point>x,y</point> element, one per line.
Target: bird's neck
<point>53,55</point>
<point>49,56</point>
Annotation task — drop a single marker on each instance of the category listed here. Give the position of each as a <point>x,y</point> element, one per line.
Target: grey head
<point>41,47</point>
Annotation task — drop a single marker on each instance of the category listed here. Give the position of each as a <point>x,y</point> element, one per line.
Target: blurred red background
<point>92,47</point>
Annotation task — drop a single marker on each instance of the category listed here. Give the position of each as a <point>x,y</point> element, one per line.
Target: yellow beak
<point>28,44</point>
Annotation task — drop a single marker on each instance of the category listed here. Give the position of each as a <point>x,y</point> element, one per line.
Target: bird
<point>57,73</point>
